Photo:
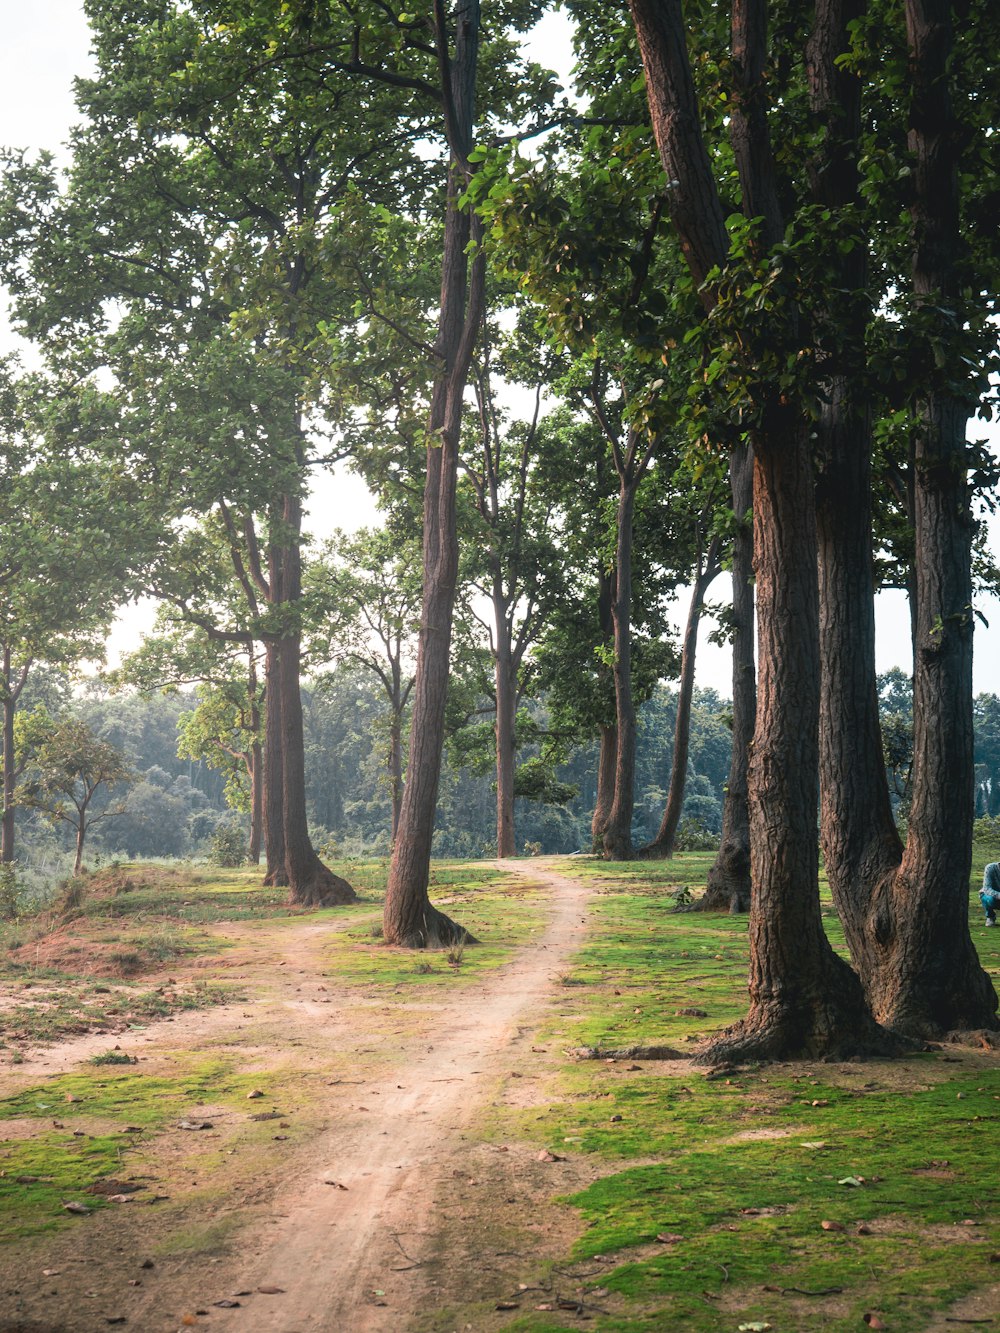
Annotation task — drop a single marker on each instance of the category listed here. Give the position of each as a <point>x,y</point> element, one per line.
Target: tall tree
<point>905,911</point>
<point>803,999</point>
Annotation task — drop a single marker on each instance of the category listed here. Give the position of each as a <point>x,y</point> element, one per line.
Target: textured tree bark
<point>606,760</point>
<point>663,844</point>
<point>409,917</point>
<point>804,1000</point>
<point>618,828</point>
<point>728,887</point>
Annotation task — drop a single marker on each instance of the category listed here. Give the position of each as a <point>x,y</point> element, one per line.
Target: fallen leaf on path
<point>632,1069</point>
<point>267,1115</point>
<point>336,1184</point>
<point>754,1328</point>
<point>852,1180</point>
<point>227,1305</point>
<point>546,1156</point>
<point>194,1124</point>
<point>80,1209</point>
<point>271,1291</point>
<point>51,1272</point>
<point>668,1238</point>
<point>253,1096</point>
<point>690,1013</point>
<point>507,1305</point>
<point>873,1321</point>
<point>121,1198</point>
<point>833,1226</point>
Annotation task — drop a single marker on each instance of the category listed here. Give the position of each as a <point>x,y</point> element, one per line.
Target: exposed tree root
<point>322,889</point>
<point>276,879</point>
<point>734,901</point>
<point>784,1032</point>
<point>653,851</point>
<point>628,1053</point>
<point>434,930</point>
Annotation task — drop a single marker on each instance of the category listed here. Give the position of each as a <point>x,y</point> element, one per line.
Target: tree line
<point>745,276</point>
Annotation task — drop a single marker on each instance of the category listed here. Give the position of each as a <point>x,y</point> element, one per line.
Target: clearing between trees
<point>242,1117</point>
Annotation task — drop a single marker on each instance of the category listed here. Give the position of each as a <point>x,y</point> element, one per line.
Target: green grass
<point>501,912</point>
<point>87,1126</point>
<point>745,1168</point>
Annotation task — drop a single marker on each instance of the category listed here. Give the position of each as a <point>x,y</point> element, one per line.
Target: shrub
<point>9,892</point>
<point>229,847</point>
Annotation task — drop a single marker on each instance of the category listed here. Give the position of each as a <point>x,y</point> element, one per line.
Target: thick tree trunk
<point>607,758</point>
<point>506,709</point>
<point>663,844</point>
<point>618,829</point>
<point>729,878</point>
<point>804,1000</point>
<point>931,980</point>
<point>905,914</point>
<point>273,771</point>
<point>409,918</point>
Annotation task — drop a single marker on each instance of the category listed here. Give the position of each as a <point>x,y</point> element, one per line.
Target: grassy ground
<point>801,1197</point>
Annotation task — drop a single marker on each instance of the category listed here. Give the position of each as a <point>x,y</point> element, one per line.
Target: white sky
<point>46,45</point>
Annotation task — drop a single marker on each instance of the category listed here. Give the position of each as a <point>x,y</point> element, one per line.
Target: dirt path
<point>336,1248</point>
<point>359,1230</point>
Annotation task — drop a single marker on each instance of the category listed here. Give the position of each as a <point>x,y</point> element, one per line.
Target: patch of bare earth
<point>370,1201</point>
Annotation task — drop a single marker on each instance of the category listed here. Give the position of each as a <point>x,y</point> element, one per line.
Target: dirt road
<point>396,1208</point>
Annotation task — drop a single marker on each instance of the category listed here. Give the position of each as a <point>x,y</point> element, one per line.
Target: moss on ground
<point>711,1192</point>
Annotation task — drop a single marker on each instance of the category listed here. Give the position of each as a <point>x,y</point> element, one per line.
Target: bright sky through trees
<point>46,46</point>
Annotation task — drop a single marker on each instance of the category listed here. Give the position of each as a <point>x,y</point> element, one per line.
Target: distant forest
<point>173,803</point>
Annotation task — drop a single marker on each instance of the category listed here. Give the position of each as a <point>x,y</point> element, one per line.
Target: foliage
<point>229,846</point>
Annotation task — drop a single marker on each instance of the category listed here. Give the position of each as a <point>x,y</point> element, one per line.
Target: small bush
<point>986,832</point>
<point>229,847</point>
<point>9,892</point>
<point>693,836</point>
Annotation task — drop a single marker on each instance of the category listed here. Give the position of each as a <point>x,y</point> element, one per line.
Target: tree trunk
<point>395,766</point>
<point>506,708</point>
<point>618,829</point>
<point>905,914</point>
<point>7,839</point>
<point>310,882</point>
<point>11,694</point>
<point>930,979</point>
<point>81,834</point>
<point>409,918</point>
<point>663,844</point>
<point>256,802</point>
<point>804,1000</point>
<point>606,761</point>
<point>273,773</point>
<point>729,878</point>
